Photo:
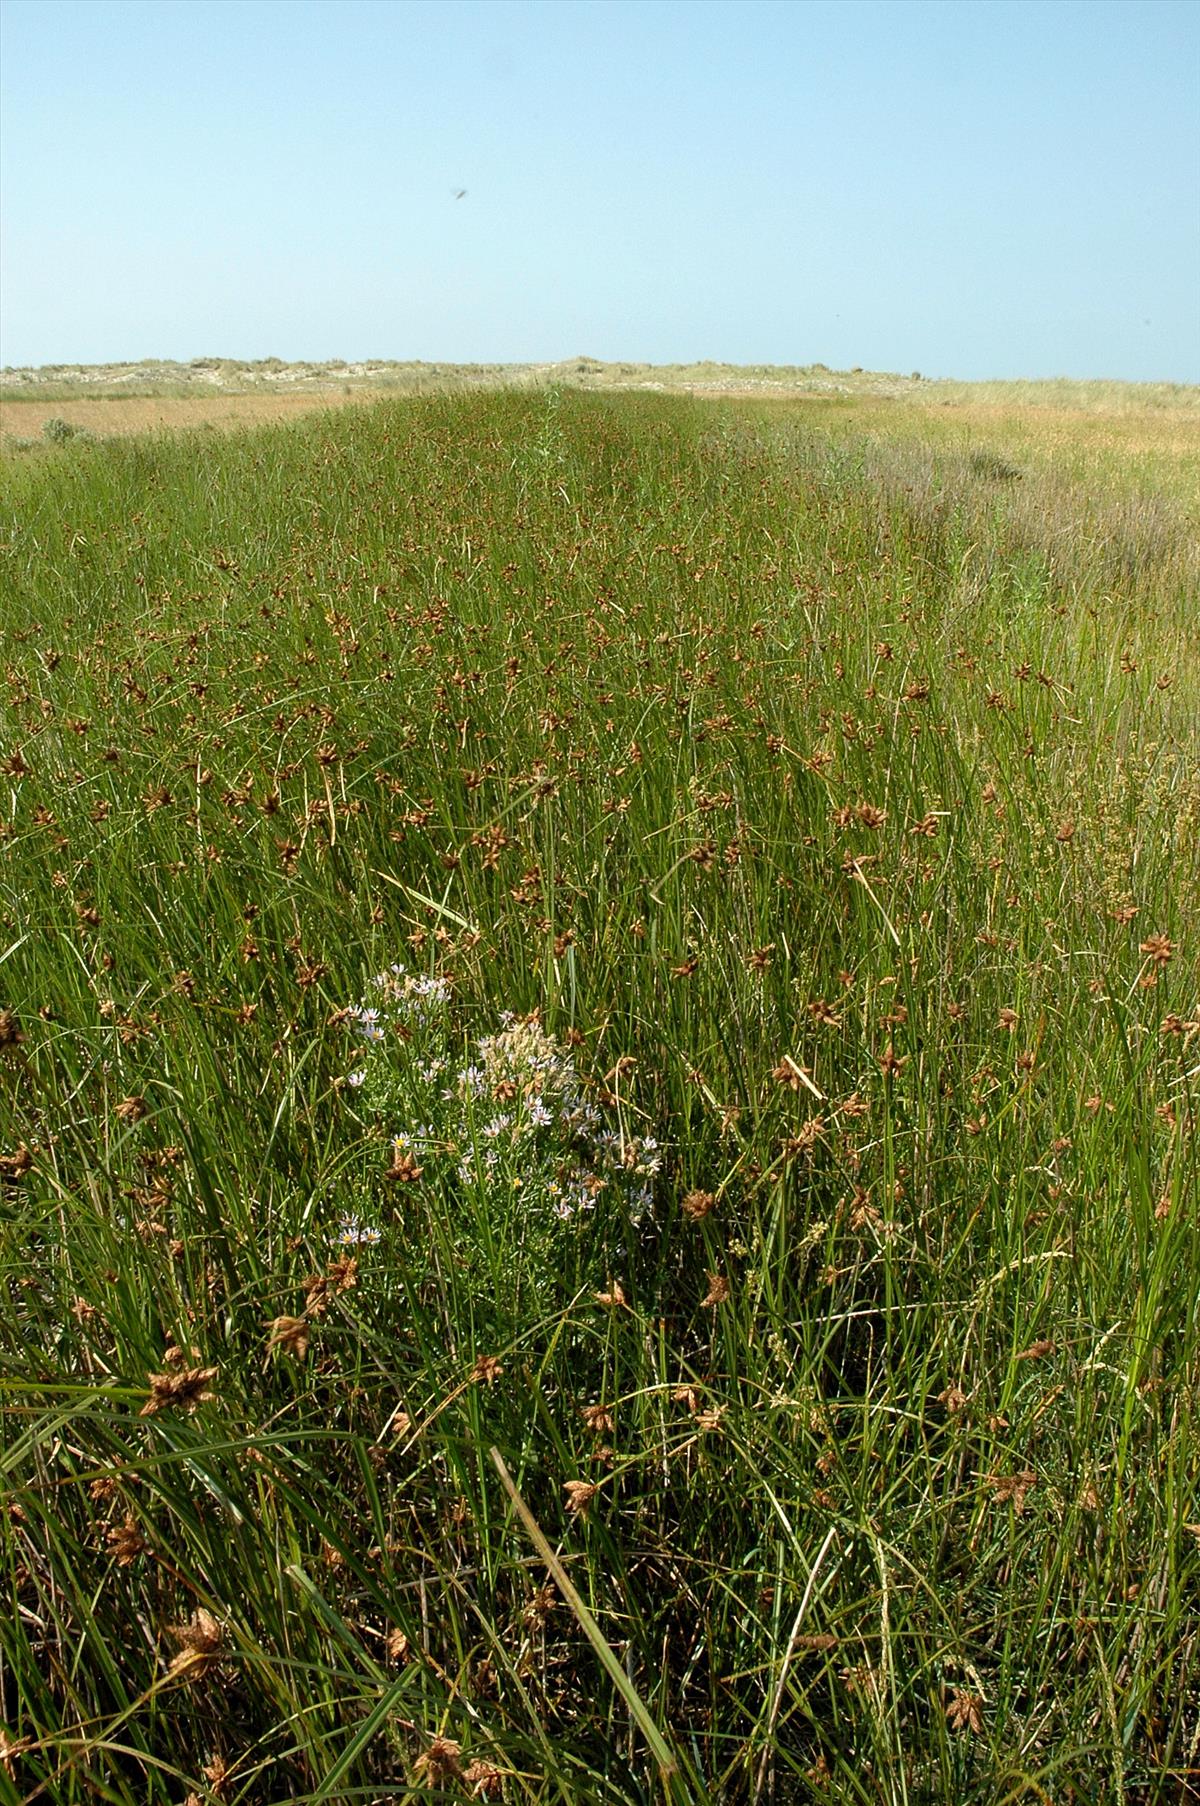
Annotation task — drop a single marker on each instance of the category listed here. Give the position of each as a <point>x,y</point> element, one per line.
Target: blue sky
<point>963,187</point>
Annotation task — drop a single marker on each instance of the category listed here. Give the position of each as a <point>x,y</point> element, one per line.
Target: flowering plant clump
<point>505,1133</point>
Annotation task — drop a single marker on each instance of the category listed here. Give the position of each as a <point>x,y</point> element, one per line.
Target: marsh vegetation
<point>643,945</point>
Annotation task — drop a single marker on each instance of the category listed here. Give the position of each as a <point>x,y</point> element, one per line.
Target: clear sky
<point>963,187</point>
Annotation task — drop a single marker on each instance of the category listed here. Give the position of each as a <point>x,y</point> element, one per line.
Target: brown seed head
<point>540,1605</point>
<point>805,1138</point>
<point>1012,1488</point>
<point>201,1645</point>
<point>485,1781</point>
<point>792,1075</point>
<point>580,1494</point>
<point>125,1541</point>
<point>16,1165</point>
<point>289,1334</point>
<point>342,1274</point>
<point>697,1204</point>
<point>439,1762</point>
<point>965,1712</point>
<point>182,1390</point>
<point>404,1170</point>
<point>104,1487</point>
<point>216,1773</point>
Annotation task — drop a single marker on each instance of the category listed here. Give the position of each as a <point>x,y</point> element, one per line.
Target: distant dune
<point>223,393</point>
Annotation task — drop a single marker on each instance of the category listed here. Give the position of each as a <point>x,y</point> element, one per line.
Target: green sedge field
<point>599,1062</point>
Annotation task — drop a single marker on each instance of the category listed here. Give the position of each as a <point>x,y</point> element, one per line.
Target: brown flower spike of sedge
<point>182,1390</point>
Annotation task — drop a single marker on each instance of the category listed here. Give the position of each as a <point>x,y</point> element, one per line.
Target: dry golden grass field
<point>124,414</point>
<point>1085,424</point>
